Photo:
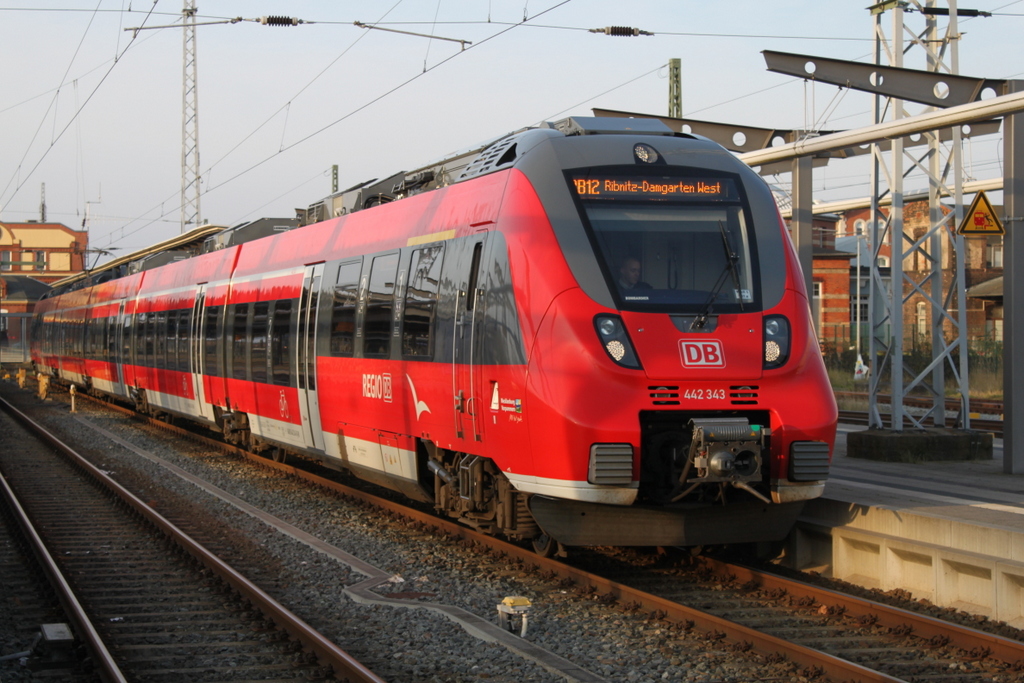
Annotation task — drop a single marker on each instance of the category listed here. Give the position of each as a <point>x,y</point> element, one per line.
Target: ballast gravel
<point>401,645</point>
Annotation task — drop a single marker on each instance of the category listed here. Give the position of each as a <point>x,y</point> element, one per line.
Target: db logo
<point>702,354</point>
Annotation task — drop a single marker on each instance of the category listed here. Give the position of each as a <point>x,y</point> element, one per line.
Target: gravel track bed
<point>26,602</point>
<point>894,651</point>
<point>399,645</point>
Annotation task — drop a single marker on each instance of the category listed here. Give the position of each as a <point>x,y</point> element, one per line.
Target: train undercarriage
<point>695,479</point>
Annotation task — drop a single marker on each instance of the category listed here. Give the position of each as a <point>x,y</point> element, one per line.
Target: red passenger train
<point>593,332</point>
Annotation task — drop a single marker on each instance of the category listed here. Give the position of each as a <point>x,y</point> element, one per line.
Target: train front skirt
<point>574,523</point>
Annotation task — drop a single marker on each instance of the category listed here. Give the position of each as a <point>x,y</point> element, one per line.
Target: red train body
<point>595,332</point>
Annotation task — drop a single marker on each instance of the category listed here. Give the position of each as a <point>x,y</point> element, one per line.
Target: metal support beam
<point>802,223</point>
<point>888,130</point>
<point>926,87</point>
<point>1013,297</point>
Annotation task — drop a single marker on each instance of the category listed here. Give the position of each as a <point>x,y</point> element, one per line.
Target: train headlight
<point>615,341</point>
<point>776,341</point>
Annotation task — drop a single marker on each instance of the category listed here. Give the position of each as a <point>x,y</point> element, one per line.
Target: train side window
<point>343,312</point>
<point>150,331</point>
<point>421,301</point>
<point>126,339</point>
<point>104,350</point>
<point>239,340</point>
<point>171,340</point>
<point>258,343</point>
<point>160,339</point>
<point>380,302</point>
<point>184,327</point>
<point>281,343</point>
<point>111,339</point>
<point>211,335</point>
<point>180,319</point>
<point>92,333</point>
<point>474,273</point>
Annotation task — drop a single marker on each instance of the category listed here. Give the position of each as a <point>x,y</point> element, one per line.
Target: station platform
<point>950,532</point>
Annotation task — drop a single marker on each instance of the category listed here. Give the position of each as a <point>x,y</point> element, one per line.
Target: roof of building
<point>36,225</point>
<point>23,288</point>
<point>989,289</point>
<point>829,252</point>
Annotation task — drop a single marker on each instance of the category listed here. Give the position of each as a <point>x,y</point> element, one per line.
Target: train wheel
<point>278,455</point>
<point>545,546</point>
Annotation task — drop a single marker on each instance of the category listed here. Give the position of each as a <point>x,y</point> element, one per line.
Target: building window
<point>5,260</point>
<point>40,260</point>
<point>858,226</point>
<point>922,319</point>
<point>816,307</point>
<point>995,256</point>
<point>858,312</point>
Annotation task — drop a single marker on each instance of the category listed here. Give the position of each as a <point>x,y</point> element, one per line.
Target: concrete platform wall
<point>975,568</point>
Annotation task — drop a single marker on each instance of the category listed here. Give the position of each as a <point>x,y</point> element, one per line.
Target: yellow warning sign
<point>980,219</point>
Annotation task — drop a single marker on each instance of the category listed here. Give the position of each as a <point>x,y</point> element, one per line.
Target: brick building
<point>31,255</point>
<point>983,262</point>
<point>55,250</point>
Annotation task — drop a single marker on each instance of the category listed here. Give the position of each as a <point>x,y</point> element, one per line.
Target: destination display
<point>639,187</point>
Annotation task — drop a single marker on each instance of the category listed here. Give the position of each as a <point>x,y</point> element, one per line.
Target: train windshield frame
<point>670,240</point>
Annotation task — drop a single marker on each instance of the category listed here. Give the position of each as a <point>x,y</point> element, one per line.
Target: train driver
<point>629,274</point>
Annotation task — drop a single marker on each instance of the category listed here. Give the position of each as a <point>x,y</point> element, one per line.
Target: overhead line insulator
<point>280,21</point>
<point>621,31</point>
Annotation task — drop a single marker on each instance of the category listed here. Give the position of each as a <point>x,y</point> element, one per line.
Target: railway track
<point>742,613</point>
<point>893,643</point>
<point>858,417</point>
<point>809,627</point>
<point>165,607</point>
<point>32,596</point>
<point>977,406</point>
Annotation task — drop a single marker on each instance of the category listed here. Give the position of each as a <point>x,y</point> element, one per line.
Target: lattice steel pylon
<point>675,88</point>
<point>939,288</point>
<point>190,215</point>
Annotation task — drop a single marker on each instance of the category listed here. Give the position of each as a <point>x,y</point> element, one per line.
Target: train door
<point>468,311</point>
<point>115,347</point>
<point>309,406</point>
<point>197,353</point>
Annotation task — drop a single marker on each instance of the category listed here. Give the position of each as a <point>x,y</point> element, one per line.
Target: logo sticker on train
<point>377,386</point>
<point>706,353</point>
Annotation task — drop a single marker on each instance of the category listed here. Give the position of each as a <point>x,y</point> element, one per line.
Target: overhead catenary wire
<point>209,170</point>
<point>383,96</point>
<point>372,101</point>
<point>531,24</point>
<point>74,117</point>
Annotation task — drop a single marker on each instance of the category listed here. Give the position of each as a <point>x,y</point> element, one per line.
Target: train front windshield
<point>670,243</point>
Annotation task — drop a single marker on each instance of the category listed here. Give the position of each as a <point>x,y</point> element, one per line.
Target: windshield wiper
<point>731,259</point>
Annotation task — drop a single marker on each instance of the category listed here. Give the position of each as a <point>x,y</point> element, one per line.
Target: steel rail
<point>104,662</point>
<point>329,654</point>
<point>860,417</point>
<point>839,669</point>
<point>1004,649</point>
<point>926,627</point>
<point>976,405</point>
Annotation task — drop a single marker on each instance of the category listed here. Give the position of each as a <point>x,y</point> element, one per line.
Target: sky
<point>94,111</point>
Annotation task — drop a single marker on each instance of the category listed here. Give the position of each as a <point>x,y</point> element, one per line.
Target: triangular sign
<point>980,219</point>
